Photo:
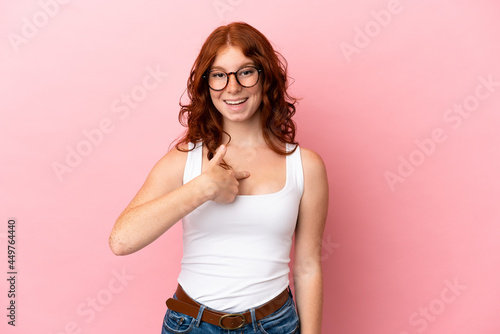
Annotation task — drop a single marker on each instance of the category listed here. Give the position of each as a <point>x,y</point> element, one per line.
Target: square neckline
<point>276,193</point>
<point>279,191</point>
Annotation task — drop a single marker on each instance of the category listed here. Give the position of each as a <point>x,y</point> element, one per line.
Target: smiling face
<point>234,102</point>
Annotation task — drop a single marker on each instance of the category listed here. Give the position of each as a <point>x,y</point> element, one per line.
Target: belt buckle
<point>232,315</point>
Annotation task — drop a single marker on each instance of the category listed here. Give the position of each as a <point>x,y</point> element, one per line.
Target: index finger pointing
<point>242,174</point>
<point>219,155</point>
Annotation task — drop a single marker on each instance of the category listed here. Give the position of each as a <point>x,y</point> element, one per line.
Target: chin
<point>236,115</point>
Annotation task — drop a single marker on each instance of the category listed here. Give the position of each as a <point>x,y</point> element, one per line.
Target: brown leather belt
<point>186,305</point>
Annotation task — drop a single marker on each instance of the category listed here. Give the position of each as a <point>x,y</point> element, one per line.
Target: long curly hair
<point>203,120</point>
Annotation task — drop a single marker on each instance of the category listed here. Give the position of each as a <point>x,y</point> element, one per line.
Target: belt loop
<point>254,319</point>
<point>200,314</point>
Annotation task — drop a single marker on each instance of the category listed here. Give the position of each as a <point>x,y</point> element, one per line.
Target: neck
<point>244,134</point>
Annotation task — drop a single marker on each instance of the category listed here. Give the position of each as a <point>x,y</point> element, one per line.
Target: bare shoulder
<point>171,165</point>
<point>313,205</point>
<point>165,176</point>
<point>312,162</point>
<point>175,156</point>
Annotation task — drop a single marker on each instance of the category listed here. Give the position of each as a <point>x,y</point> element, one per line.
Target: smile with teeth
<point>235,102</point>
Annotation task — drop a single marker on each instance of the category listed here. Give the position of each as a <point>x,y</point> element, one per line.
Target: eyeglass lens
<point>247,77</point>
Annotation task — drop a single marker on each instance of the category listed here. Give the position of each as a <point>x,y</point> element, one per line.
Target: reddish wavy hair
<point>203,120</point>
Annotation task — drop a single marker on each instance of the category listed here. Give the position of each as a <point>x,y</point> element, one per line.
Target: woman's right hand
<point>163,199</point>
<point>222,183</point>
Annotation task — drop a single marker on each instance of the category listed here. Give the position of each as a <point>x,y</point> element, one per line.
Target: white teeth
<point>235,102</point>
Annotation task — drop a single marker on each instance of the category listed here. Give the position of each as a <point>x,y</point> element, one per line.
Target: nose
<point>232,84</point>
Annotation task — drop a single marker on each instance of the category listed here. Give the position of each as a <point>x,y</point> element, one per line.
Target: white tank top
<point>236,255</point>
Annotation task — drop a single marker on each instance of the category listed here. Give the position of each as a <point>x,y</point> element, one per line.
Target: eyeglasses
<point>247,77</point>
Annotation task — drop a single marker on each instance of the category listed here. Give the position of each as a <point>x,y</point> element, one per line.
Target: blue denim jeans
<point>283,321</point>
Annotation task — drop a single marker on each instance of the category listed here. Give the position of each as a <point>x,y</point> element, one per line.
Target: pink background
<point>382,83</point>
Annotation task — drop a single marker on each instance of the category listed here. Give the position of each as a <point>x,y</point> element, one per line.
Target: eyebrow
<point>248,63</point>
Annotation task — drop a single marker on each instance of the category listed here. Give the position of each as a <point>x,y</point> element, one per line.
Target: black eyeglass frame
<point>205,76</point>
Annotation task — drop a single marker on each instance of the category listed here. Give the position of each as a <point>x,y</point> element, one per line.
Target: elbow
<point>117,247</point>
<point>307,270</point>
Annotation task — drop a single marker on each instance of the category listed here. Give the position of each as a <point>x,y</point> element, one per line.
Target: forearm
<point>309,297</point>
<point>138,226</point>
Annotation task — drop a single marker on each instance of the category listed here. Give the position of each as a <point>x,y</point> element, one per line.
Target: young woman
<point>242,187</point>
